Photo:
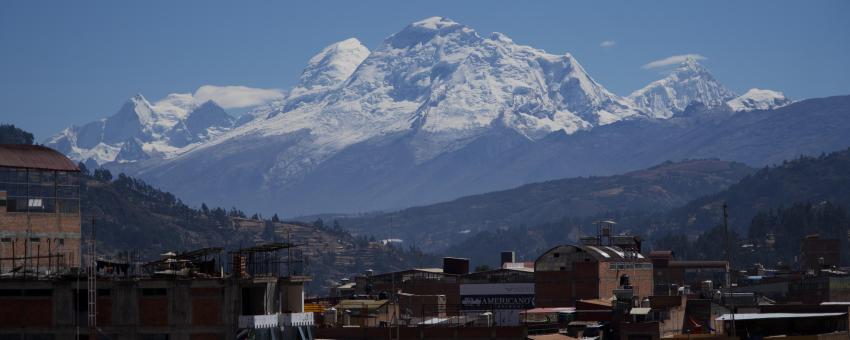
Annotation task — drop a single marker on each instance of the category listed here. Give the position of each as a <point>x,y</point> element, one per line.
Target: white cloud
<point>607,44</point>
<point>230,97</point>
<point>672,60</point>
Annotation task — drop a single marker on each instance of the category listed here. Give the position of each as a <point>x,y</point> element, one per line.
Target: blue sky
<point>67,62</point>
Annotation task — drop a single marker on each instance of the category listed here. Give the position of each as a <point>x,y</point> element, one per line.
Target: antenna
<point>728,266</point>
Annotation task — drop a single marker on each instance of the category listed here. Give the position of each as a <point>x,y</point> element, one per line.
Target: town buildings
<point>49,292</point>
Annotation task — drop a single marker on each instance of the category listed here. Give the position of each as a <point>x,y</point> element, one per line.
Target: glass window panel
<point>22,203</point>
<point>20,176</point>
<point>34,176</point>
<point>69,206</point>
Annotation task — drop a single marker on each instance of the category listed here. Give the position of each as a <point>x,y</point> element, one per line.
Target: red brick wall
<point>26,312</point>
<point>563,288</point>
<point>153,311</point>
<point>41,223</point>
<point>450,290</point>
<point>104,311</point>
<point>206,312</point>
<point>609,280</point>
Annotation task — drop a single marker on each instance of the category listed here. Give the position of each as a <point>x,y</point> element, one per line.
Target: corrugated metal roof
<point>34,157</point>
<point>758,316</point>
<point>640,311</point>
<point>360,304</point>
<point>698,264</point>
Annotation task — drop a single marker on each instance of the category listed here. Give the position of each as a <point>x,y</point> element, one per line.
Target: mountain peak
<point>758,99</point>
<point>435,23</point>
<point>332,65</point>
<point>689,67</point>
<point>138,98</point>
<point>209,104</point>
<point>496,36</point>
<point>423,31</point>
<point>689,82</point>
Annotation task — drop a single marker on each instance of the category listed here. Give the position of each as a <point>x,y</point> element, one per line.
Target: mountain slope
<point>790,200</point>
<point>825,178</point>
<point>655,189</point>
<point>134,216</point>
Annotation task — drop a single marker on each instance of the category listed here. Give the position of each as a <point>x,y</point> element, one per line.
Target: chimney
<point>454,265</point>
<point>507,257</point>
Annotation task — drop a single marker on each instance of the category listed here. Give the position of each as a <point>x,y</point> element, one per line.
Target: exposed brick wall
<point>563,288</point>
<point>104,311</point>
<point>206,312</point>
<point>26,312</point>
<point>609,280</point>
<point>44,226</point>
<point>153,311</point>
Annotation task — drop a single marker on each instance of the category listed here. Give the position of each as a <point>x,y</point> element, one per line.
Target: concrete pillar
<point>125,303</point>
<point>63,304</point>
<point>180,303</point>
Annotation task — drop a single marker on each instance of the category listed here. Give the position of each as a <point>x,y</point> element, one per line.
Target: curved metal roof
<point>34,157</point>
<point>600,253</point>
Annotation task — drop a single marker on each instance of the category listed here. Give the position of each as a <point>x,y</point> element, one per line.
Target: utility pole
<point>92,285</point>
<point>729,266</point>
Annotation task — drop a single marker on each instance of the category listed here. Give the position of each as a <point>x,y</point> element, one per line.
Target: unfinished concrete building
<point>187,296</point>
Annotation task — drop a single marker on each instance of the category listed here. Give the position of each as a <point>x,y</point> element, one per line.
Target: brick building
<point>817,253</point>
<point>670,274</point>
<point>567,273</point>
<point>39,210</point>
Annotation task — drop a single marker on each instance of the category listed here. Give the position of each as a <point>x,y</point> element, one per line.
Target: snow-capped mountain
<point>688,83</point>
<point>758,99</point>
<point>434,112</point>
<point>140,130</point>
<point>444,82</point>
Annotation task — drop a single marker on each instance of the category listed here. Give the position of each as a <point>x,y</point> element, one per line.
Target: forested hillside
<point>656,189</point>
<point>770,211</point>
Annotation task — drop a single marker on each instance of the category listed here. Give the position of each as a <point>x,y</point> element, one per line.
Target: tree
<point>9,134</point>
<point>205,209</point>
<point>275,219</point>
<point>102,175</point>
<point>482,268</point>
<point>83,168</point>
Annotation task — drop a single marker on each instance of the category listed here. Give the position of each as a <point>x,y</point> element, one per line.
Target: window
<point>154,291</point>
<point>39,191</point>
<point>38,292</point>
<point>6,240</point>
<point>556,255</point>
<point>153,336</point>
<point>35,240</point>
